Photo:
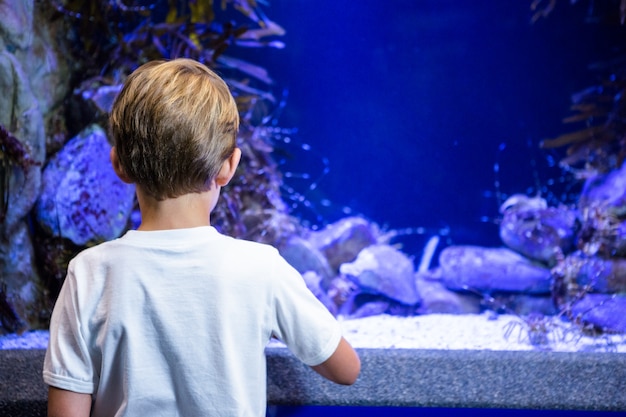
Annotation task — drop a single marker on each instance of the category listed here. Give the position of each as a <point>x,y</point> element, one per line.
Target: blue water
<point>414,102</point>
<point>417,103</point>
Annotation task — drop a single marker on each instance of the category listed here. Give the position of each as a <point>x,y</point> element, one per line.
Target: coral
<point>598,145</point>
<point>251,207</point>
<point>542,9</point>
<point>112,38</point>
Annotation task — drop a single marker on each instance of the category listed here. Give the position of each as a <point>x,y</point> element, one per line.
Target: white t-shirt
<point>175,323</point>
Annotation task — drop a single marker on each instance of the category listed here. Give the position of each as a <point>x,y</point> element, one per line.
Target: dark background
<point>414,102</point>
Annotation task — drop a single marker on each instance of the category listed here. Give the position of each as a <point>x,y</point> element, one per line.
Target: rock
<point>25,306</point>
<point>606,190</point>
<point>16,25</point>
<point>53,254</point>
<point>22,114</point>
<point>593,273</point>
<point>437,299</point>
<point>606,312</point>
<point>525,305</point>
<point>91,103</point>
<point>342,241</point>
<point>602,205</point>
<point>538,232</point>
<point>522,202</point>
<point>305,258</point>
<point>382,269</point>
<point>102,97</point>
<point>364,305</point>
<point>49,70</point>
<point>314,284</point>
<point>602,233</point>
<point>341,289</point>
<point>34,79</point>
<point>489,270</point>
<point>82,199</point>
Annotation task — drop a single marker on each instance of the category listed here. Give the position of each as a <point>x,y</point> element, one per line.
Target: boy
<point>172,318</point>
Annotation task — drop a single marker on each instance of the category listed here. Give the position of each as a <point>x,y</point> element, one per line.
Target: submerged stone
<point>22,302</point>
<point>364,304</point>
<point>602,233</point>
<point>20,113</point>
<point>342,241</point>
<point>538,233</point>
<point>341,289</point>
<point>602,205</point>
<point>314,283</point>
<point>524,304</point>
<point>489,270</point>
<point>384,270</point>
<point>595,273</point>
<point>304,257</point>
<point>603,311</point>
<point>82,199</point>
<point>103,97</point>
<point>16,25</point>
<point>435,298</point>
<point>607,190</point>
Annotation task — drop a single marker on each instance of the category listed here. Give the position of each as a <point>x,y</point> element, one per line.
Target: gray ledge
<point>400,377</point>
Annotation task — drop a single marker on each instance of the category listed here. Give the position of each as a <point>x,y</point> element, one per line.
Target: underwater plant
<point>598,145</point>
<point>112,38</point>
<point>542,9</point>
<point>536,329</point>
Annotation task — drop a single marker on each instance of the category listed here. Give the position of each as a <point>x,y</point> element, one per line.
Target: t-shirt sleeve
<point>303,323</point>
<point>68,364</point>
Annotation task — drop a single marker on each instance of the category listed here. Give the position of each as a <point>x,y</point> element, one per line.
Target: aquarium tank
<point>408,157</point>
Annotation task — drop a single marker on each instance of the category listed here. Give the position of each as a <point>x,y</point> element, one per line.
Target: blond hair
<point>173,125</point>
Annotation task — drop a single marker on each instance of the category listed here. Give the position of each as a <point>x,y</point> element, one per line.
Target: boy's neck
<point>186,211</point>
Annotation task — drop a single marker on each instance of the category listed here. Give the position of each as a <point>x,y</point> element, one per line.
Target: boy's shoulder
<point>95,252</point>
<point>178,243</point>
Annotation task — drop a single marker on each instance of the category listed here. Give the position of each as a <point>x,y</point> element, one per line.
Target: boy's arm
<point>62,403</point>
<point>342,367</point>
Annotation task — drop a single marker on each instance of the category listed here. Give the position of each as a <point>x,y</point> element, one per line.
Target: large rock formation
<point>34,79</point>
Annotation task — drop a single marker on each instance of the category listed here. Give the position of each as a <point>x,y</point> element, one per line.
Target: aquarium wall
<point>409,158</point>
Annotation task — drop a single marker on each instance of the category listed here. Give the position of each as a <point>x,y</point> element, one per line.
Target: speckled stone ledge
<point>400,377</point>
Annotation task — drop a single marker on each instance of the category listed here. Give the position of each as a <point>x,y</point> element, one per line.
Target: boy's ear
<point>117,167</point>
<point>228,168</point>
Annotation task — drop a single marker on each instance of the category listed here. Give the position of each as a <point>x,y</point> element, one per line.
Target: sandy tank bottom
<point>485,331</point>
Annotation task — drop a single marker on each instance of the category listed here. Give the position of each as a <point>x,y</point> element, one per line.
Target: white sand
<point>436,331</point>
<point>473,332</point>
